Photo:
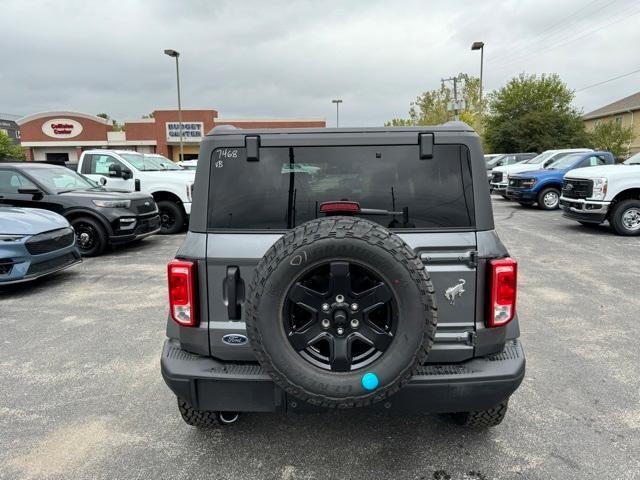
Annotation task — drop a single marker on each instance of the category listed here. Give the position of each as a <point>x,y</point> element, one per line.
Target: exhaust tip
<point>229,417</point>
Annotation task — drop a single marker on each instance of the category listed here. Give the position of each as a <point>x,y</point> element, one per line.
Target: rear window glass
<point>287,186</point>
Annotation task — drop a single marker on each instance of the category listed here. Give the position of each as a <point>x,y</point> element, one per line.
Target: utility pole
<point>456,104</point>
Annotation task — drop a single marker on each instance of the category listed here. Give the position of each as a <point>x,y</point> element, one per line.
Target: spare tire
<point>341,312</point>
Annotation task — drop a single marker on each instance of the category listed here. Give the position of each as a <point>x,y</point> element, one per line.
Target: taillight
<point>503,275</point>
<point>182,306</point>
<point>340,207</point>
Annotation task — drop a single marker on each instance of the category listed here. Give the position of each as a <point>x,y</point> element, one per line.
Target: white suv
<point>125,170</point>
<point>500,175</point>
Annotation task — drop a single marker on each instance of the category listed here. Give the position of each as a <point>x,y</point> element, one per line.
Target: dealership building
<point>62,136</point>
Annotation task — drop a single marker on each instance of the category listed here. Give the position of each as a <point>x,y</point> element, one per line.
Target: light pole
<point>337,101</point>
<point>175,54</point>
<point>479,46</point>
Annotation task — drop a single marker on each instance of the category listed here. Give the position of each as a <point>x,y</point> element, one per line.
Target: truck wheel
<point>341,312</point>
<point>483,418</point>
<point>91,236</point>
<point>171,217</point>
<point>549,199</point>
<point>205,418</point>
<point>625,217</point>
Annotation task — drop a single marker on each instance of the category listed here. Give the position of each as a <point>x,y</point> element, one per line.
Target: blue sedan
<point>33,243</point>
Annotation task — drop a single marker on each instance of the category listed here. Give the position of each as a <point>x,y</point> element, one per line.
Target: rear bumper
<point>477,384</point>
<point>584,210</point>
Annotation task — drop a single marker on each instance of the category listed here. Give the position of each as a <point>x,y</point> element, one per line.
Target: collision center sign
<point>61,128</point>
<point>191,131</point>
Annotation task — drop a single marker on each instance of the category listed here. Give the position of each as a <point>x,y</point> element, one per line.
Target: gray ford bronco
<point>342,268</point>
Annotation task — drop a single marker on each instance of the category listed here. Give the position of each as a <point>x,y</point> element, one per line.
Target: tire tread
<point>338,228</point>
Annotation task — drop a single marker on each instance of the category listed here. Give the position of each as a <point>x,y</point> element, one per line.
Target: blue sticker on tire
<point>370,381</point>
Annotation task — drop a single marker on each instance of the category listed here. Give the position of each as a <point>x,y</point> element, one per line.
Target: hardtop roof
<point>447,127</point>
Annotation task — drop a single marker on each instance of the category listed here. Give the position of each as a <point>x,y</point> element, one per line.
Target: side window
<point>86,164</point>
<point>100,164</point>
<point>592,161</point>
<point>11,181</point>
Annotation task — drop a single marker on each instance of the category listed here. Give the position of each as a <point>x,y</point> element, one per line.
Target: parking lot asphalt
<point>81,394</point>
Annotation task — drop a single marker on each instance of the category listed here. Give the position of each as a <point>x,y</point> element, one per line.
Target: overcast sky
<point>268,59</point>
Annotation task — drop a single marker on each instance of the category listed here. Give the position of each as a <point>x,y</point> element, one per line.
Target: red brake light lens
<point>503,276</point>
<point>182,306</point>
<point>340,207</point>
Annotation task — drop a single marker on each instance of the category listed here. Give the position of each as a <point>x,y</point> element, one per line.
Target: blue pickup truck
<point>544,186</point>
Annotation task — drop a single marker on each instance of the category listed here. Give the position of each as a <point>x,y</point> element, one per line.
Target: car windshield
<point>147,163</point>
<point>633,160</point>
<point>494,161</point>
<point>61,179</point>
<point>565,162</point>
<point>539,159</point>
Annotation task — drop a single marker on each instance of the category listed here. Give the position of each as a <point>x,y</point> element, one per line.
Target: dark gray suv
<point>342,268</point>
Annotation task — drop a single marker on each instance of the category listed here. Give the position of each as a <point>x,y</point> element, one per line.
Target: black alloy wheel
<point>340,316</point>
<point>90,236</point>
<point>171,217</point>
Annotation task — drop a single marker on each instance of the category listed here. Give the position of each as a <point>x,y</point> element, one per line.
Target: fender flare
<point>77,211</point>
<point>547,184</point>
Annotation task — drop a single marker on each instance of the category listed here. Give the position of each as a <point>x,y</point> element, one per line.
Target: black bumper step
<point>477,384</point>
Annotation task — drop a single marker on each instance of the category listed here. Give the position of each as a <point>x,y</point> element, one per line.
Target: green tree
<point>533,113</point>
<point>612,136</point>
<point>430,108</point>
<point>8,149</point>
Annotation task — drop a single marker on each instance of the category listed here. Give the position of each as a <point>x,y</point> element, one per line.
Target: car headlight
<point>189,191</point>
<point>112,203</point>
<point>11,238</point>
<point>528,182</point>
<point>599,188</point>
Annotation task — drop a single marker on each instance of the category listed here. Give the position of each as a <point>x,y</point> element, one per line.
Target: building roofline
<point>279,120</point>
<point>593,115</point>
<point>62,113</point>
<point>141,120</point>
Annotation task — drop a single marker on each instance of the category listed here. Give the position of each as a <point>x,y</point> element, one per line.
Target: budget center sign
<point>191,131</point>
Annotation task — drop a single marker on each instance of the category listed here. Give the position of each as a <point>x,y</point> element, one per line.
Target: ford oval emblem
<point>235,339</point>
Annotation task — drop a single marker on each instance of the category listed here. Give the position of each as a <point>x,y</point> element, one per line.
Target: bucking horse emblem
<point>456,291</point>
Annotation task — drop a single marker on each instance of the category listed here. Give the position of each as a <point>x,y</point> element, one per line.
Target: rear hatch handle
<point>470,258</point>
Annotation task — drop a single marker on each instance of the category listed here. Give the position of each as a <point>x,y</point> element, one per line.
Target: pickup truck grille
<point>143,206</point>
<point>50,241</point>
<point>497,177</point>
<point>572,188</point>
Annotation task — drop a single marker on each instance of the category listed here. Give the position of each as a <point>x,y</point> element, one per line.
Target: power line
<point>567,40</point>
<point>540,36</point>
<point>606,81</point>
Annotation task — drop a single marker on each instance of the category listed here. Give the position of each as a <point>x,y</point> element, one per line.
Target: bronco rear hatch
<point>415,186</point>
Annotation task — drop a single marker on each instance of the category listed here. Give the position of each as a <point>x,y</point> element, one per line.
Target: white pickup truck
<point>500,175</point>
<point>125,170</point>
<point>612,192</point>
